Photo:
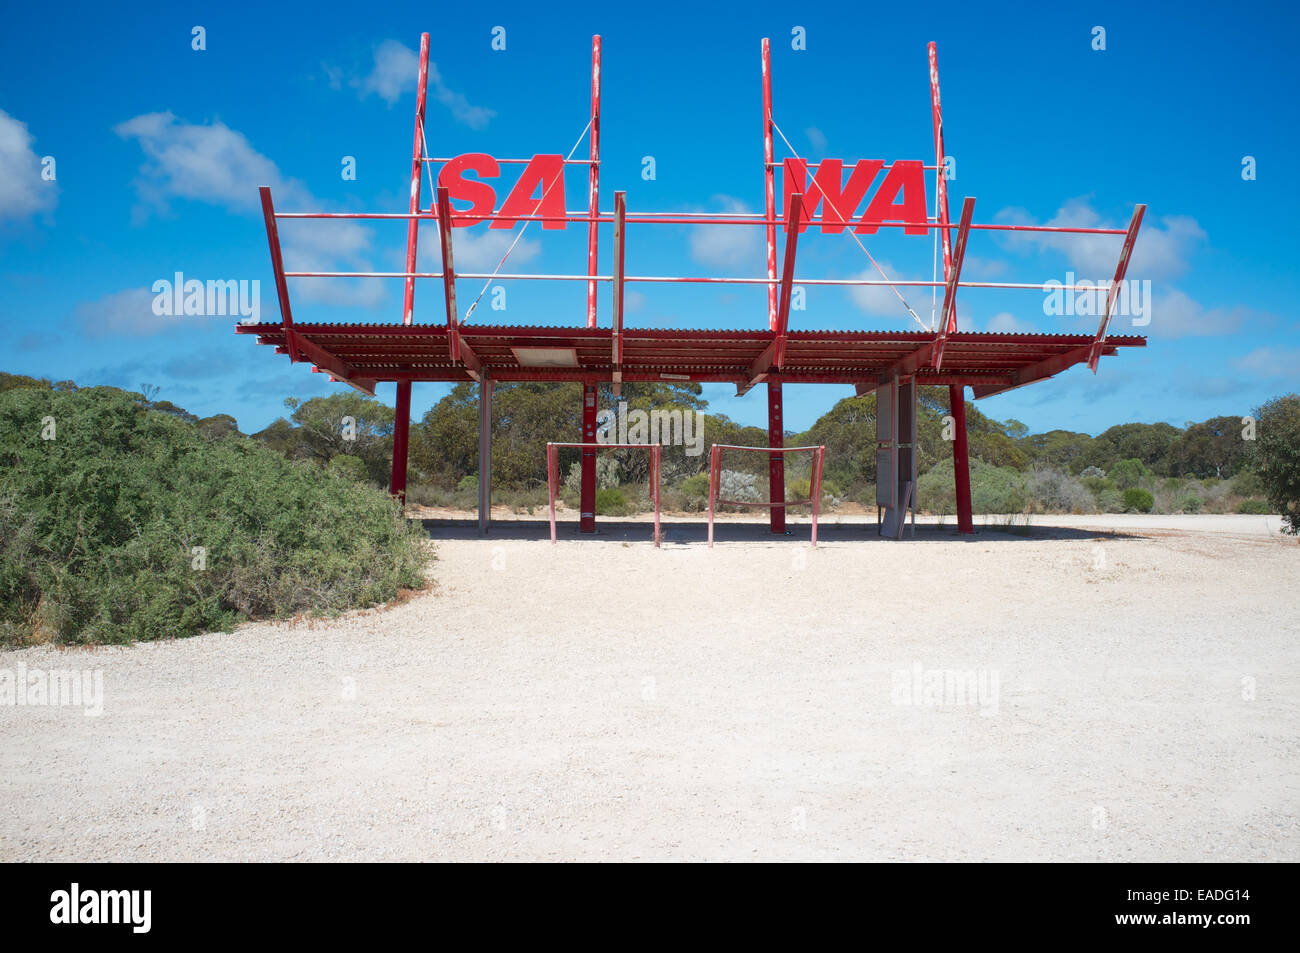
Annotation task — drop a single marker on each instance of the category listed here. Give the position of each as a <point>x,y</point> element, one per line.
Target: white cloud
<point>881,301</point>
<point>206,163</point>
<point>22,190</point>
<point>728,245</point>
<point>1162,250</point>
<point>1271,363</point>
<point>395,71</point>
<point>476,248</point>
<point>817,139</point>
<point>1175,314</point>
<point>127,313</point>
<point>1004,322</point>
<point>217,165</point>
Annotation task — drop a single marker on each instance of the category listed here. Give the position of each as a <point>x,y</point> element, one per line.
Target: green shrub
<point>696,485</point>
<point>1277,457</point>
<point>1110,501</point>
<point>130,525</point>
<point>1136,498</point>
<point>468,484</point>
<point>611,502</point>
<point>1191,504</point>
<point>1129,473</point>
<point>1248,483</point>
<point>1253,507</point>
<point>349,467</point>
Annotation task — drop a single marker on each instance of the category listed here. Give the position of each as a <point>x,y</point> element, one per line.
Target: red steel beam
<point>457,347</point>
<point>401,431</point>
<point>277,265</point>
<point>587,494</point>
<point>941,188</point>
<point>691,218</point>
<point>909,363</point>
<point>787,279</point>
<point>775,461</point>
<point>620,236</point>
<point>593,184</point>
<point>952,275</point>
<point>1036,372</point>
<point>1120,270</point>
<point>335,365</point>
<point>769,182</point>
<point>773,355</point>
<point>960,459</point>
<point>417,170</point>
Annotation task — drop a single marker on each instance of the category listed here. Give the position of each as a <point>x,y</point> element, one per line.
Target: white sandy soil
<point>603,699</point>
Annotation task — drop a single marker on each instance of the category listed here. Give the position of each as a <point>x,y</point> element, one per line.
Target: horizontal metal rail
<point>1097,286</point>
<point>687,218</point>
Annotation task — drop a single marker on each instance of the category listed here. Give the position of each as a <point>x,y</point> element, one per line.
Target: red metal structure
<point>775,502</point>
<point>456,350</point>
<point>553,476</point>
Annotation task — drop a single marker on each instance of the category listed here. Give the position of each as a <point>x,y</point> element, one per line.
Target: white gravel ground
<point>602,699</point>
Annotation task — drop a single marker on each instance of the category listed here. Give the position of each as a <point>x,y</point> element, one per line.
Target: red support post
<point>277,263</point>
<point>956,393</point>
<point>401,429</point>
<point>552,461</point>
<point>775,461</point>
<point>593,189</point>
<point>715,463</point>
<point>960,457</point>
<point>417,171</point>
<point>587,501</point>
<point>819,458</point>
<point>769,177</point>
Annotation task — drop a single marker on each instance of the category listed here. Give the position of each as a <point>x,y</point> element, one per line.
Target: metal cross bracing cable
<point>840,216</point>
<point>525,225</point>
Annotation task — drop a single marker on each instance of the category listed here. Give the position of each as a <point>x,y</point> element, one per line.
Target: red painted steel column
<point>417,174</point>
<point>775,461</point>
<point>587,504</point>
<point>956,393</point>
<point>769,180</point>
<point>593,182</point>
<point>402,424</point>
<point>401,430</point>
<point>960,457</point>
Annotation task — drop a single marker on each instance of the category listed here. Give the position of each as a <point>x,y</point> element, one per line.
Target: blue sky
<point>158,150</point>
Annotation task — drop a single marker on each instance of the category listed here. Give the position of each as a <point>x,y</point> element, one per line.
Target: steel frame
<point>552,475</point>
<point>362,356</point>
<point>814,483</point>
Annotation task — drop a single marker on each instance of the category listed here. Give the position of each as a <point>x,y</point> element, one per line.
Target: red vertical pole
<point>960,458</point>
<point>941,187</point>
<point>402,423</point>
<point>956,393</point>
<point>656,461</point>
<point>775,461</point>
<point>417,173</point>
<point>715,455</point>
<point>401,428</point>
<point>819,456</point>
<point>551,462</point>
<point>593,182</point>
<point>769,180</point>
<point>587,502</point>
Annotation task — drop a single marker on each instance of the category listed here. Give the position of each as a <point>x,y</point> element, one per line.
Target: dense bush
<point>1136,498</point>
<point>1254,507</point>
<point>1055,492</point>
<point>611,502</point>
<point>122,523</point>
<point>1277,457</point>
